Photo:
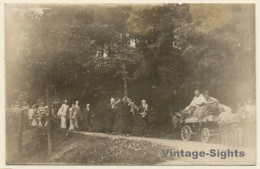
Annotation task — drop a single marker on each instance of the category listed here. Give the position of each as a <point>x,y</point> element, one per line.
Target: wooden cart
<point>207,128</point>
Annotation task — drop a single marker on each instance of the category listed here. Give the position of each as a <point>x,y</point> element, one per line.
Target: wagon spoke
<point>186,133</point>
<point>205,135</point>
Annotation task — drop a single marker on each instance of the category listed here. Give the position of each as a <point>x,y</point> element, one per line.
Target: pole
<point>124,79</point>
<point>49,117</point>
<point>125,86</point>
<point>49,127</point>
<point>20,138</point>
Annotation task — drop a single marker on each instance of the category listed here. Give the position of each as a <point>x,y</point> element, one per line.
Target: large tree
<point>161,53</point>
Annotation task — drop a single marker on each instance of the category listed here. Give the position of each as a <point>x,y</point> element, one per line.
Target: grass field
<point>73,148</point>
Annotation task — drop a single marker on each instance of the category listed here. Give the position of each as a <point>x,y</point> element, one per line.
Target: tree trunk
<point>48,100</point>
<point>125,86</point>
<point>20,139</point>
<point>125,73</point>
<point>49,117</point>
<point>125,79</point>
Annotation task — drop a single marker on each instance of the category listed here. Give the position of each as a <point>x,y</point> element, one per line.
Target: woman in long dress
<point>72,127</point>
<point>33,115</point>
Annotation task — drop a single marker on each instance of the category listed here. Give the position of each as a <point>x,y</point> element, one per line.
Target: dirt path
<point>248,159</point>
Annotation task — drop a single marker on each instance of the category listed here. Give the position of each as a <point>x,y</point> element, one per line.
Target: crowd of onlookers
<point>121,116</point>
<point>31,115</point>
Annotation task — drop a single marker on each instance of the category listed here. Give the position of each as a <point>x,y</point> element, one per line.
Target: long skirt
<point>42,121</point>
<point>72,126</point>
<point>34,122</point>
<point>63,122</point>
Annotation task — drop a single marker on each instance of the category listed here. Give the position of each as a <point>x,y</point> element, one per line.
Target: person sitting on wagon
<point>197,101</point>
<point>210,106</point>
<point>208,99</point>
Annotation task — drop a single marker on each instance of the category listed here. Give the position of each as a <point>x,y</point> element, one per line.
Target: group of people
<point>33,116</point>
<point>120,117</point>
<point>126,118</point>
<point>202,104</point>
<point>70,115</point>
<point>201,100</point>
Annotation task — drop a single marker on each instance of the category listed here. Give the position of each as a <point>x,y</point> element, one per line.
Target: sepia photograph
<point>115,84</point>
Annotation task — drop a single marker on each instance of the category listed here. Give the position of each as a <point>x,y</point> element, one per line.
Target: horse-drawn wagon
<point>206,127</point>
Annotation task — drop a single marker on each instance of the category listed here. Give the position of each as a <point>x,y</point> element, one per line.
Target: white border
<point>2,79</point>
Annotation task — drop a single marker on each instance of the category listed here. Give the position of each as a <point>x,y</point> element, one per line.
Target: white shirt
<point>64,109</point>
<point>198,101</point>
<point>145,107</point>
<point>76,111</point>
<point>41,110</point>
<point>31,113</point>
<point>59,112</point>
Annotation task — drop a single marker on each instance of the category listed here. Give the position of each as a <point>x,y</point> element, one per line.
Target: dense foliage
<point>159,53</point>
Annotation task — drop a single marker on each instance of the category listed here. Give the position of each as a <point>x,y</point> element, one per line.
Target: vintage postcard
<point>115,84</point>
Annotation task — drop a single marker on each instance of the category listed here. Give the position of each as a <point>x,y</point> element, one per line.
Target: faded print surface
<point>137,67</point>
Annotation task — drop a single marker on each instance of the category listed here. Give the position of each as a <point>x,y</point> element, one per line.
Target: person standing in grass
<point>122,121</point>
<point>85,118</point>
<point>41,115</point>
<point>75,115</point>
<point>141,120</point>
<point>72,127</point>
<point>111,115</point>
<point>31,115</point>
<point>63,114</point>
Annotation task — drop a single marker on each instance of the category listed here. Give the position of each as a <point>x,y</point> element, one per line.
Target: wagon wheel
<point>205,135</point>
<point>186,132</point>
